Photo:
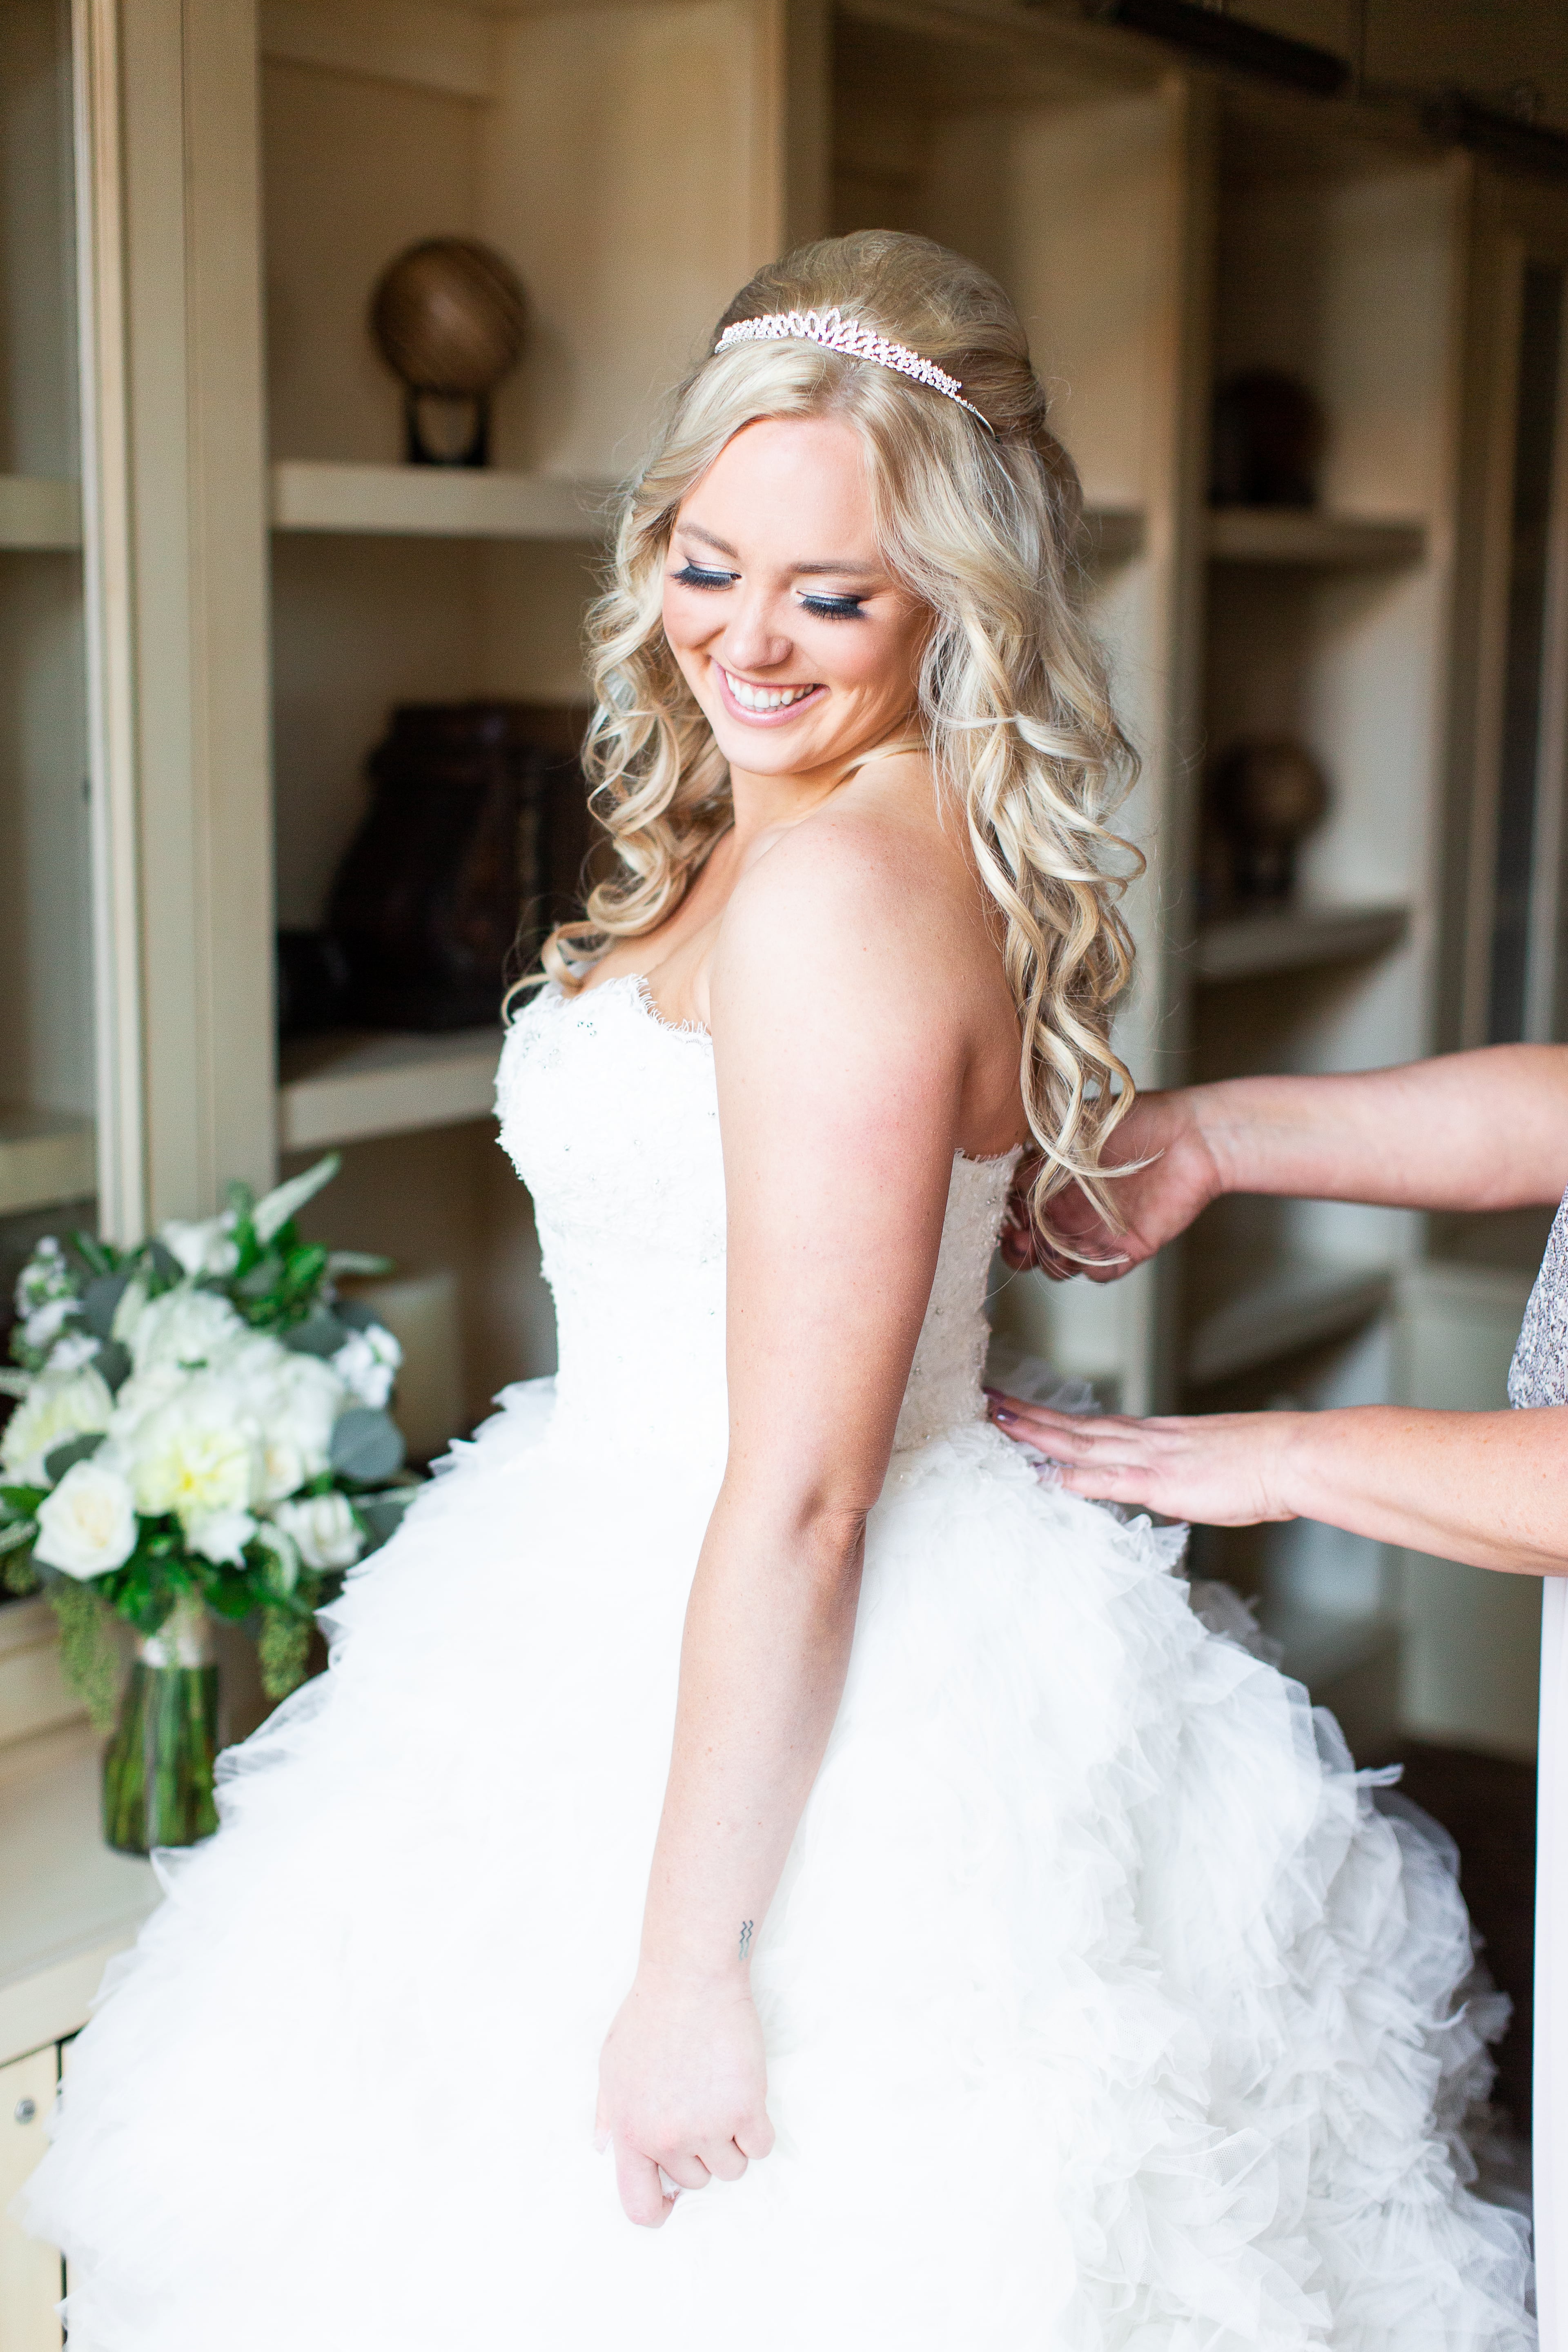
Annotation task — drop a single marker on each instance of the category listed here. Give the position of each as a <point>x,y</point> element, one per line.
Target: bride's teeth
<point>764,697</point>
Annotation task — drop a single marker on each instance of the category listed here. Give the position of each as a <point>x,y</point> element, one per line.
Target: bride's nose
<point>753,639</point>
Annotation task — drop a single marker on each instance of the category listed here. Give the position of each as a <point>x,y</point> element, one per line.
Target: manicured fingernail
<point>1000,1413</point>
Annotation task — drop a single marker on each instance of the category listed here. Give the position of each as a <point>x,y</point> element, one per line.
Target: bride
<point>1005,1960</point>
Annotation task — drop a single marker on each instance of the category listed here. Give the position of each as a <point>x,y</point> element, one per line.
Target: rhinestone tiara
<point>834,332</point>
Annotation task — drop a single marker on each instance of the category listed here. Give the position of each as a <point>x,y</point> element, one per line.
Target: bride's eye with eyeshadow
<point>697,575</point>
<point>834,608</point>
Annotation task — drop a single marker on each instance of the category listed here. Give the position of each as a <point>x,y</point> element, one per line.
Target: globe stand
<point>446,428</point>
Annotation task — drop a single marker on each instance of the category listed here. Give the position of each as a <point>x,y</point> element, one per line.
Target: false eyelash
<point>692,575</point>
<point>834,608</point>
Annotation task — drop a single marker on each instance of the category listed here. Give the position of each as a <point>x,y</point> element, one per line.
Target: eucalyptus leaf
<point>64,1457</point>
<point>164,1265</point>
<point>356,1315</point>
<point>323,1333</point>
<point>382,1514</point>
<point>100,1300</point>
<point>366,1445</point>
<point>113,1363</point>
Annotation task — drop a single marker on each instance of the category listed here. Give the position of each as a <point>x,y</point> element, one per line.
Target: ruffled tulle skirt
<point>1103,2007</point>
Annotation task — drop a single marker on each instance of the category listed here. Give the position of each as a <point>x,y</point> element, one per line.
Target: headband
<point>837,333</point>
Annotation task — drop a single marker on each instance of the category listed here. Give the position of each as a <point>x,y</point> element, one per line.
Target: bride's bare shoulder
<point>870,892</point>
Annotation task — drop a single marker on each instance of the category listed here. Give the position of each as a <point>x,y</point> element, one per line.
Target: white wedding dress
<point>1104,2012</point>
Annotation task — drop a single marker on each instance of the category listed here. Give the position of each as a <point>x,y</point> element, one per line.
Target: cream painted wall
<point>631,167</point>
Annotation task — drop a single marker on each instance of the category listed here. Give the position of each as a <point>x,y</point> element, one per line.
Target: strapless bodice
<point>611,1117</point>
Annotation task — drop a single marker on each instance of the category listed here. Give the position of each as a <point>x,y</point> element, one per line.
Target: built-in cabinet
<point>216,584</point>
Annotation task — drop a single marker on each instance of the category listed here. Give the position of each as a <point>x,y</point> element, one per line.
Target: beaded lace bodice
<point>611,1118</point>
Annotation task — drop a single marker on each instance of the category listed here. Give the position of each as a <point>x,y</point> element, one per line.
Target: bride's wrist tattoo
<point>745,1937</point>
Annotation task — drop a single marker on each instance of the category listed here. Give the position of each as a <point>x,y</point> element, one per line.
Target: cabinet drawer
<point>29,2272</point>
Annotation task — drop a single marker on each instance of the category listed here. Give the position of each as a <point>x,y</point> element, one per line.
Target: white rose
<point>324,1528</point>
<point>220,1535</point>
<point>69,1354</point>
<point>206,1246</point>
<point>194,1456</point>
<point>88,1525</point>
<point>367,1364</point>
<point>56,1409</point>
<point>293,1399</point>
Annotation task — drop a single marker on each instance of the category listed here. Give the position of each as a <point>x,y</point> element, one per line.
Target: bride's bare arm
<point>841,1056</point>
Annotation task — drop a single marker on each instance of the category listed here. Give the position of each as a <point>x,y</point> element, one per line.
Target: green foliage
<point>18,1575</point>
<point>87,1654</point>
<point>284,1649</point>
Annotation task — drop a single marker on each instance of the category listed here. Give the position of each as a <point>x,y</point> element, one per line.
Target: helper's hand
<point>1157,1202</point>
<point>683,2086</point>
<point>1222,1469</point>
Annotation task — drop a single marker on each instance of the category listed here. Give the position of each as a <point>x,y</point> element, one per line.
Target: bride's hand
<point>1222,1469</point>
<point>683,2086</point>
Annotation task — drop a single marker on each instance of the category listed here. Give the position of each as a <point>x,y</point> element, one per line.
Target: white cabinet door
<point>29,2272</point>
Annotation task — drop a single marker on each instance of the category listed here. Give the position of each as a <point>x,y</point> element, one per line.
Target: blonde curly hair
<point>1013,704</point>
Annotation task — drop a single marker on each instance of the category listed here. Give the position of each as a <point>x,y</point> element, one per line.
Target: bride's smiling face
<point>800,647</point>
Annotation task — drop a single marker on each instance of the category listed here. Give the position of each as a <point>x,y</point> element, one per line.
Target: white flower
<point>220,1535</point>
<point>294,1399</point>
<point>186,1327</point>
<point>45,1324</point>
<point>56,1408</point>
<point>324,1528</point>
<point>367,1364</point>
<point>69,1354</point>
<point>203,1246</point>
<point>194,1454</point>
<point>45,1276</point>
<point>88,1525</point>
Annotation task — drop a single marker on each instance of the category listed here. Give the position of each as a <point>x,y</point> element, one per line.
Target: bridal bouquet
<point>200,1425</point>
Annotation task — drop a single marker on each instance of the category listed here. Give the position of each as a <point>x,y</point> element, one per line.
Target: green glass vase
<point>158,1768</point>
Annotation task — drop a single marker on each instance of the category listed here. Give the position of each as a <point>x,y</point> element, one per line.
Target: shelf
<point>1115,533</point>
<point>44,1156</point>
<point>1293,939</point>
<point>357,1083</point>
<point>1292,535</point>
<point>38,513</point>
<point>71,1904</point>
<point>434,502</point>
<point>1300,1304</point>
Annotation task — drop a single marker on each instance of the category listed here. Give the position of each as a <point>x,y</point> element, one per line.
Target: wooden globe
<point>450,316</point>
<point>1270,790</point>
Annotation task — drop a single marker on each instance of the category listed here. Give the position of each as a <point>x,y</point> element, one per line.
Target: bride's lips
<point>764,718</point>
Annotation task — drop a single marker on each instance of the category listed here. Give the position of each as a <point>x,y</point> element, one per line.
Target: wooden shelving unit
<point>1295,939</point>
<point>1281,1310</point>
<point>44,1156</point>
<point>355,1085</point>
<point>38,514</point>
<point>1116,534</point>
<point>71,1904</point>
<point>433,501</point>
<point>1289,536</point>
